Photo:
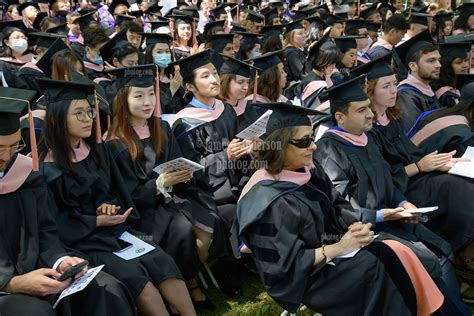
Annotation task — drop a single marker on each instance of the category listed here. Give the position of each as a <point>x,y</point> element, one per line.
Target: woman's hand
<point>176,82</point>
<point>169,179</point>
<point>112,220</point>
<point>447,166</point>
<point>107,209</point>
<point>237,148</point>
<point>358,236</point>
<point>434,161</point>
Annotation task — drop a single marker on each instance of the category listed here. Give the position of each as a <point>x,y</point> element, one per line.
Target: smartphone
<point>72,271</point>
<point>124,244</point>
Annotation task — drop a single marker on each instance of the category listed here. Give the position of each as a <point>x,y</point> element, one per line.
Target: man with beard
<point>422,58</point>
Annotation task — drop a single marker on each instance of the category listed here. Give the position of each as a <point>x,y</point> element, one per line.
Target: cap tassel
<point>157,111</point>
<point>237,18</point>
<point>195,42</point>
<point>255,85</point>
<point>98,132</point>
<point>34,146</point>
<point>173,54</point>
<point>108,121</point>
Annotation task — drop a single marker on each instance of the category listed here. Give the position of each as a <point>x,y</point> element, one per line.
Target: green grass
<point>255,302</point>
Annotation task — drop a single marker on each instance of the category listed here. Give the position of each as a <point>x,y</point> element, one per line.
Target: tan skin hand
<point>175,177</point>
<point>395,214</point>
<point>359,235</point>
<point>238,148</point>
<point>69,262</point>
<point>452,162</point>
<point>415,218</point>
<point>434,161</point>
<point>176,82</point>
<point>111,220</point>
<point>40,282</point>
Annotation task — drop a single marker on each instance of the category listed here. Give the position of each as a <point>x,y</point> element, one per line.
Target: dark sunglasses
<point>304,142</point>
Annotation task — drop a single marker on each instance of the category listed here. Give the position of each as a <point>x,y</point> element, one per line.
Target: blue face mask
<point>255,54</point>
<point>163,60</point>
<point>98,60</point>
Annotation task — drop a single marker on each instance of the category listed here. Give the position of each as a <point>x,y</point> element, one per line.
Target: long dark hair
<point>447,77</point>
<point>462,108</point>
<point>58,141</point>
<point>122,128</point>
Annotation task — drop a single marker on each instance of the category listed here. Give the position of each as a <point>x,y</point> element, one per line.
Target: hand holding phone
<point>72,271</point>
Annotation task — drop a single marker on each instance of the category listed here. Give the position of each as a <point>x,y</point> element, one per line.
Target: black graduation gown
<point>454,137</point>
<point>295,60</point>
<point>449,99</point>
<point>170,223</point>
<point>206,144</point>
<point>363,177</point>
<point>452,194</point>
<point>412,103</point>
<point>29,241</point>
<point>378,52</point>
<point>283,251</point>
<point>171,104</point>
<point>9,71</point>
<point>78,196</point>
<point>28,75</point>
<point>247,118</point>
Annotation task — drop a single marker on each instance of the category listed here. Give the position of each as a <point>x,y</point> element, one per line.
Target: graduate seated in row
<point>95,208</point>
<point>355,165</point>
<point>32,257</point>
<point>299,260</point>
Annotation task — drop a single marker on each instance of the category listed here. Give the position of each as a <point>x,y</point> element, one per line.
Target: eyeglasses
<point>13,149</point>
<point>304,142</point>
<point>84,116</point>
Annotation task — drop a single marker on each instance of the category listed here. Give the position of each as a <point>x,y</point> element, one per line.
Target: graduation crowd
<point>323,129</point>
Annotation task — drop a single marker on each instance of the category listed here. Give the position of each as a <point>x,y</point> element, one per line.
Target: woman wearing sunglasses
<point>297,227</point>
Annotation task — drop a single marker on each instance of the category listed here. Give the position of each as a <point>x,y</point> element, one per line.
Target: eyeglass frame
<point>83,118</point>
<point>300,143</point>
<point>14,149</point>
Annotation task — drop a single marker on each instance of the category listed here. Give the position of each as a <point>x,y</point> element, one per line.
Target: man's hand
<point>112,220</point>
<point>69,262</point>
<point>107,209</point>
<point>39,282</point>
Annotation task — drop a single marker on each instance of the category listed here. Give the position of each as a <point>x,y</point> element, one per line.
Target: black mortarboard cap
<point>236,27</point>
<point>60,29</point>
<point>120,19</point>
<point>299,15</point>
<point>454,50</point>
<point>316,47</point>
<point>85,11</point>
<point>295,25</point>
<point>419,8</point>
<point>266,61</point>
<point>463,79</point>
<point>188,64</point>
<point>107,50</point>
<point>12,110</point>
<point>154,38</point>
<point>368,12</point>
<point>86,19</point>
<point>213,26</point>
<point>373,26</point>
<point>14,23</point>
<point>441,18</point>
<point>317,21</point>
<point>45,39</point>
<point>182,18</point>
<point>354,25</point>
<point>386,5</point>
<point>466,9</point>
<point>349,91</point>
<point>270,15</point>
<point>344,43</point>
<point>220,9</point>
<point>136,13</point>
<point>116,3</point>
<point>39,17</point>
<point>26,4</point>
<point>237,67</point>
<point>461,38</point>
<point>286,115</point>
<point>270,30</point>
<point>61,90</point>
<point>418,42</point>
<point>332,19</point>
<point>45,62</point>
<point>377,68</point>
<point>142,76</point>
<point>219,41</point>
<point>154,8</point>
<point>157,24</point>
<point>255,17</point>
<point>419,18</point>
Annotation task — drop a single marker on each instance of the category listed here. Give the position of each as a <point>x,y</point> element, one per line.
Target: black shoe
<point>227,274</point>
<point>206,304</point>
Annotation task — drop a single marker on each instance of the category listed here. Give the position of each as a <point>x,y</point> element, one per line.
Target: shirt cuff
<point>58,262</point>
<point>379,216</point>
<point>163,190</point>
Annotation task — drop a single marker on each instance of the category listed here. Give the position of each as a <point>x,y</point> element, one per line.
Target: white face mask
<point>19,45</point>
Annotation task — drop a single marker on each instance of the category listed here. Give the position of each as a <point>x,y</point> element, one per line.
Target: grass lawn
<point>255,302</point>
